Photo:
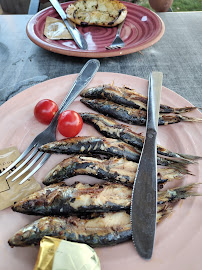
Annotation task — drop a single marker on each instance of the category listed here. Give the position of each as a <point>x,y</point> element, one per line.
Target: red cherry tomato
<point>70,123</point>
<point>45,110</point>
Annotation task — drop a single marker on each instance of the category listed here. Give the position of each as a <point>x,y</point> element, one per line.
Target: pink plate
<point>178,237</point>
<point>141,29</point>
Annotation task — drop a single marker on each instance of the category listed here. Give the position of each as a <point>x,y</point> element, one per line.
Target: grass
<point>178,5</point>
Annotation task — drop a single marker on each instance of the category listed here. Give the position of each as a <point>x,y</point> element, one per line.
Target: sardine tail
<point>184,109</point>
<point>189,157</point>
<point>189,119</point>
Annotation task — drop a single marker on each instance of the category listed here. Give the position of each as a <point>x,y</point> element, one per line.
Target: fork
<point>117,42</point>
<point>33,154</point>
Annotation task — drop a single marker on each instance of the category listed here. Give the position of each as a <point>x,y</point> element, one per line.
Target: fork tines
<point>113,47</point>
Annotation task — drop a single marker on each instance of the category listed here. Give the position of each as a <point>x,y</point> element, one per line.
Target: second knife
<point>77,36</point>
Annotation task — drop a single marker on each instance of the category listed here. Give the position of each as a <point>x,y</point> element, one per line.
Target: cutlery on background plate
<point>144,196</point>
<point>77,36</point>
<point>48,135</point>
<point>117,42</point>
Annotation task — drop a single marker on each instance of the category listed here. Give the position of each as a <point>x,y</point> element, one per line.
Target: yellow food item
<point>106,13</point>
<point>55,254</point>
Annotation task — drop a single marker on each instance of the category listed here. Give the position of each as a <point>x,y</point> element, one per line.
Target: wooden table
<point>178,55</point>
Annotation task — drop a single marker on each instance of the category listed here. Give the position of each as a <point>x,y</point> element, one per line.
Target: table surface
<point>178,55</point>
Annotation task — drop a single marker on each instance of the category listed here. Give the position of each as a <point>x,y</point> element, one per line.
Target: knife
<point>144,196</point>
<point>77,36</point>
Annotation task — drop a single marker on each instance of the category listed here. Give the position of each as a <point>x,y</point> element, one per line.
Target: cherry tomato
<point>70,123</point>
<point>45,110</point>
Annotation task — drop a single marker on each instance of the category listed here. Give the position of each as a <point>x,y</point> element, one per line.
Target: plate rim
<point>164,88</point>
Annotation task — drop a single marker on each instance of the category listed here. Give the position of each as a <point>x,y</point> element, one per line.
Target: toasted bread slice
<point>106,13</point>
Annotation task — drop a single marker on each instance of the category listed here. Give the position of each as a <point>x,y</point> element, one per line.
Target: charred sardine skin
<point>117,170</point>
<point>128,97</point>
<point>66,200</point>
<point>131,115</point>
<point>126,114</point>
<point>112,129</point>
<point>119,112</point>
<point>116,95</point>
<point>105,230</point>
<point>113,169</point>
<point>61,199</point>
<point>104,146</point>
<point>94,231</point>
<point>97,145</point>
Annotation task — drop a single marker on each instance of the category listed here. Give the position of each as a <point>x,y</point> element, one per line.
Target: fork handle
<point>119,28</point>
<point>85,76</point>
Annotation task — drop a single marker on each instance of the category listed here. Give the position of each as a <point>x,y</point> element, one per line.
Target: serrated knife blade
<point>144,196</point>
<point>77,36</point>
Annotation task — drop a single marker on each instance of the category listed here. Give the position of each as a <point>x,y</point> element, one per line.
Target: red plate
<point>141,29</point>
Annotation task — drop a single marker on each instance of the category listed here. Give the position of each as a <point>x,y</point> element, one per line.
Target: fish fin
<point>189,157</point>
<point>164,211</point>
<point>187,191</point>
<point>184,109</point>
<point>179,193</point>
<point>189,119</point>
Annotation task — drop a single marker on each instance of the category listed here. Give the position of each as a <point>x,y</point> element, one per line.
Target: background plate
<point>178,237</point>
<point>141,29</point>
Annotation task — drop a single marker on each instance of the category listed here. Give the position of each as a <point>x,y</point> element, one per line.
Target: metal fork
<point>118,42</point>
<point>48,135</point>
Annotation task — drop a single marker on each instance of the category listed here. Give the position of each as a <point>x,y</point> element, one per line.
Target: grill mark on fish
<point>117,170</point>
<point>131,115</point>
<point>128,97</point>
<point>104,230</point>
<point>110,128</point>
<point>105,146</point>
<point>99,145</point>
<point>87,198</point>
<point>76,198</point>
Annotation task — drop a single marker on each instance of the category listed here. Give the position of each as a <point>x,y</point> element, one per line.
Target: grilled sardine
<point>105,230</point>
<point>131,115</point>
<point>63,200</point>
<point>128,97</point>
<point>112,129</point>
<point>117,170</point>
<point>104,146</point>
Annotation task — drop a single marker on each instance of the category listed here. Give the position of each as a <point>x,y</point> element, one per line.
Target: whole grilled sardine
<point>60,199</point>
<point>112,129</point>
<point>105,230</point>
<point>96,145</point>
<point>131,115</point>
<point>104,146</point>
<point>117,170</point>
<point>128,97</point>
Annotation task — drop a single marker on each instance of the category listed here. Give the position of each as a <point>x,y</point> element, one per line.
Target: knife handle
<point>77,36</point>
<point>84,77</point>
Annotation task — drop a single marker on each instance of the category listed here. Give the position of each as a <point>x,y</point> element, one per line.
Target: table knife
<point>144,196</point>
<point>77,36</point>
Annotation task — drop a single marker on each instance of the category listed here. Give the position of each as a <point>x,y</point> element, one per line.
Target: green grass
<point>178,5</point>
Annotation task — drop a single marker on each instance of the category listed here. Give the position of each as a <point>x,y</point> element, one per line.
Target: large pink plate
<point>141,29</point>
<point>178,238</point>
